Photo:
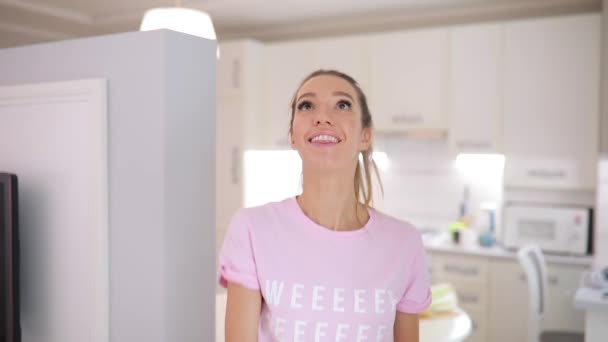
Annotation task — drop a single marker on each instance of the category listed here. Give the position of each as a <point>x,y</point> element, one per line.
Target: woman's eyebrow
<point>341,93</point>
<point>306,95</point>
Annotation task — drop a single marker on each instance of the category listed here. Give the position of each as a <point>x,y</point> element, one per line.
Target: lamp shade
<point>186,20</point>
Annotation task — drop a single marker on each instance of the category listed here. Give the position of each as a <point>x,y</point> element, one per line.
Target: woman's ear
<point>291,141</point>
<point>366,139</point>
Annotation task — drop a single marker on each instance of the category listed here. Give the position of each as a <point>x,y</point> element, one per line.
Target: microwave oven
<point>560,230</point>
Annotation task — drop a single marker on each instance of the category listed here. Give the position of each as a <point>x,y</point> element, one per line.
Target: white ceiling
<point>30,21</point>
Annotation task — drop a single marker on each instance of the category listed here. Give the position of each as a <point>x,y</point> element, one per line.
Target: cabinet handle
<point>479,145</point>
<point>553,280</point>
<point>522,277</point>
<point>236,74</point>
<point>546,173</point>
<point>235,165</point>
<point>469,299</point>
<point>466,271</point>
<point>406,119</point>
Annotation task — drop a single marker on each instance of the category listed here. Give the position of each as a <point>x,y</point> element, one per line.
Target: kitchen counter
<point>441,242</point>
<point>595,305</point>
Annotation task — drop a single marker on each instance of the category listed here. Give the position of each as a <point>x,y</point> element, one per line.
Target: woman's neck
<point>329,200</point>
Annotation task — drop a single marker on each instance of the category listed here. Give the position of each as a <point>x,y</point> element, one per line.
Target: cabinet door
<point>561,314</point>
<point>509,297</point>
<point>408,74</point>
<point>474,100</point>
<point>229,166</point>
<point>229,69</point>
<point>551,101</point>
<point>350,55</point>
<point>460,268</point>
<point>286,65</point>
<point>479,320</point>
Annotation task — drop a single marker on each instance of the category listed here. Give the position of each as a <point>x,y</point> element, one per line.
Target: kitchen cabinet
<point>287,64</point>
<point>408,80</point>
<point>238,68</point>
<point>494,292</point>
<point>474,103</point>
<point>469,276</point>
<point>229,69</point>
<point>509,296</point>
<point>551,104</point>
<point>238,108</point>
<point>229,162</point>
<point>563,281</point>
<point>350,55</point>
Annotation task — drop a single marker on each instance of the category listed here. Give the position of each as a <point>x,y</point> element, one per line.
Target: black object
<point>10,327</point>
<point>456,237</point>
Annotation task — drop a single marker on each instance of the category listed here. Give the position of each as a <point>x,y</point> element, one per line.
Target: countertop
<point>440,242</point>
<point>587,298</point>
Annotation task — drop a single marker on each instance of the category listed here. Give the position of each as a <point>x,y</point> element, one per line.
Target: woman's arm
<point>406,327</point>
<point>242,313</point>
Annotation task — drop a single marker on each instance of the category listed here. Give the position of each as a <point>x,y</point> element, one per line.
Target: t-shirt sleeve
<point>236,257</point>
<point>417,296</point>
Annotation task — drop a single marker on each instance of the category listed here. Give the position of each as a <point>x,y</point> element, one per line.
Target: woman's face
<point>326,129</point>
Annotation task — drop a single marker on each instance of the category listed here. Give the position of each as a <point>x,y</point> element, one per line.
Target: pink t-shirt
<point>323,285</point>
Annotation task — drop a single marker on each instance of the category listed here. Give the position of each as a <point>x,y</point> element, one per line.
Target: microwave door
<point>543,232</point>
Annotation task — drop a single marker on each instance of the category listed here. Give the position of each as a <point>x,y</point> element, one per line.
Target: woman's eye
<point>344,104</point>
<point>304,105</point>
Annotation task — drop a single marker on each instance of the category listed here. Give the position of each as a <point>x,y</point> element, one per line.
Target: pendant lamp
<point>180,19</point>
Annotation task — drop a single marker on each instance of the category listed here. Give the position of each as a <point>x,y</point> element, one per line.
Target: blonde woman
<point>324,265</point>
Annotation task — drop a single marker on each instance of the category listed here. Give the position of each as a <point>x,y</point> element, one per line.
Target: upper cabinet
<point>233,56</point>
<point>551,108</point>
<point>350,55</point>
<point>474,88</point>
<point>408,71</point>
<point>285,66</point>
<point>238,105</point>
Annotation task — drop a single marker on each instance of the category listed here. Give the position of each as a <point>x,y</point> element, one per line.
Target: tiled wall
<point>421,184</point>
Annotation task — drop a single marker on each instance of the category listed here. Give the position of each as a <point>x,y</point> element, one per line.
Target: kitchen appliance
<point>560,230</point>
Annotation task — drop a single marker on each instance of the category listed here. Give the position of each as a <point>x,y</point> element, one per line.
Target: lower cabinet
<point>494,292</point>
<point>509,302</point>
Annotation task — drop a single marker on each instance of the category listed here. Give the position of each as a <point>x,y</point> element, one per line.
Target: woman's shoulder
<point>261,212</point>
<point>396,227</point>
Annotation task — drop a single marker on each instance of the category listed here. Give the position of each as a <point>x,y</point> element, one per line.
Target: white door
<point>54,137</point>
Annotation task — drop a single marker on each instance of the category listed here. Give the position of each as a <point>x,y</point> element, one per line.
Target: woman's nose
<point>322,116</point>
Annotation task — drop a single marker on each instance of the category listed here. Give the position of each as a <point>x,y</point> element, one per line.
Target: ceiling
<point>31,21</point>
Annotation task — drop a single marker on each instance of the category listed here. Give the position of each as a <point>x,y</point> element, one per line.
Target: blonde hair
<point>363,180</point>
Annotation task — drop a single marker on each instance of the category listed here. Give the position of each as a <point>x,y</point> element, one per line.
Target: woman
<point>322,266</point>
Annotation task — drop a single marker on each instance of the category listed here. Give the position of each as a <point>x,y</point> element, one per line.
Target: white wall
<point>161,89</point>
<point>604,86</point>
<point>601,215</point>
<point>601,224</point>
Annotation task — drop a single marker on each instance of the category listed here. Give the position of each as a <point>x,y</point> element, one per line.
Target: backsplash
<point>421,183</point>
<point>423,186</point>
